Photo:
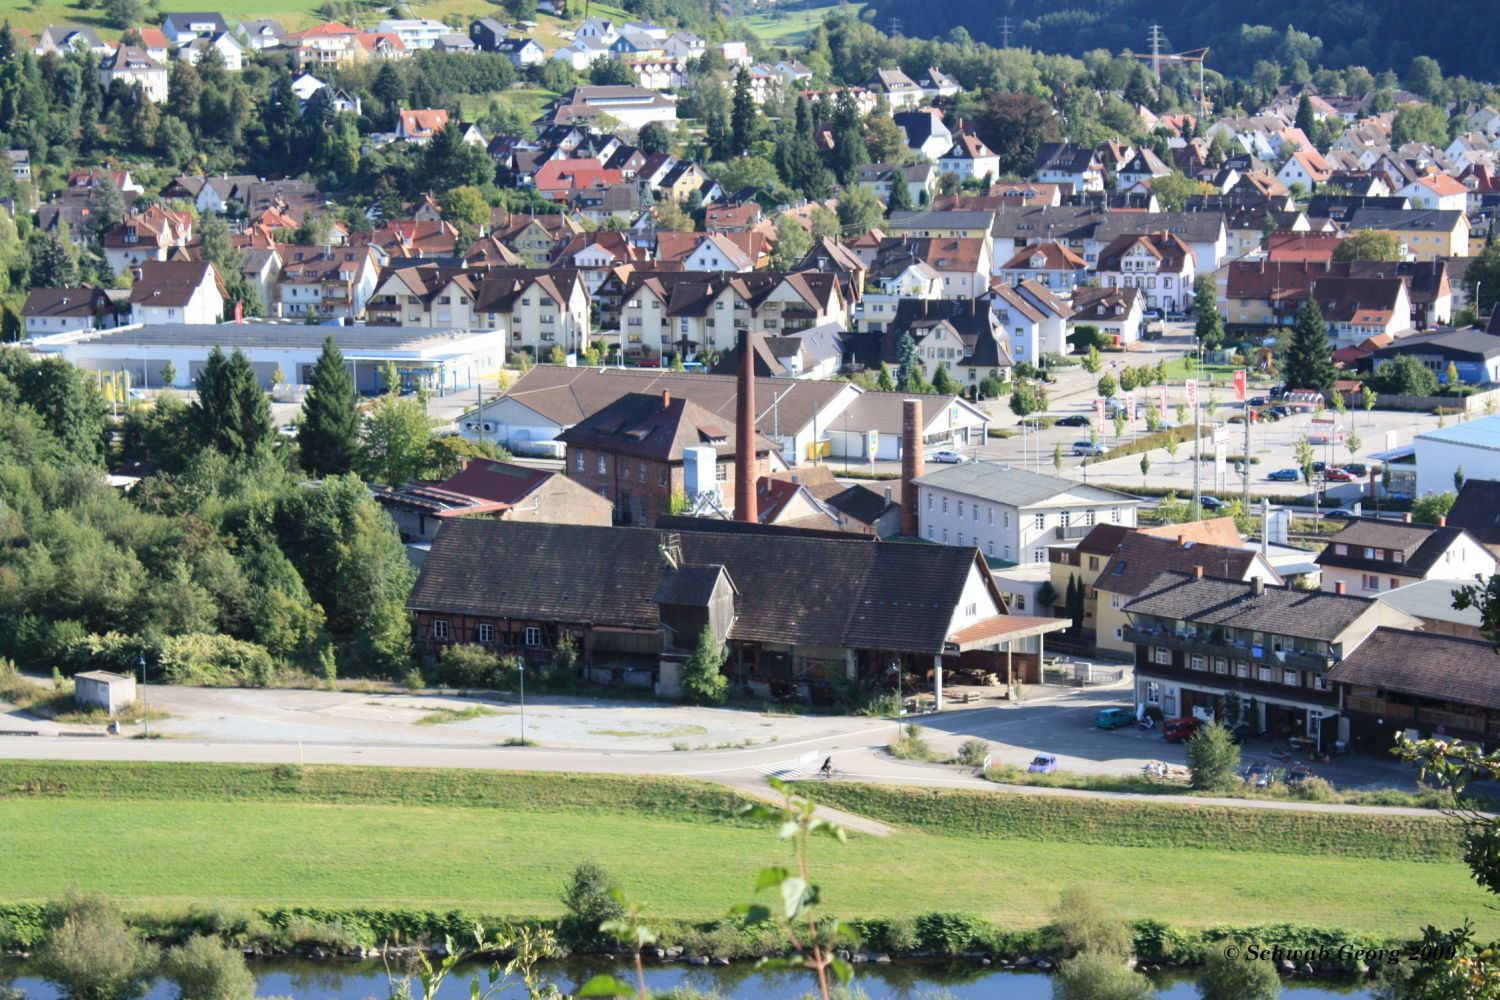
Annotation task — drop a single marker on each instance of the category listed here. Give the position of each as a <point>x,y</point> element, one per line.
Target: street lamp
<point>145,719</point>
<point>522,670</point>
<point>900,701</point>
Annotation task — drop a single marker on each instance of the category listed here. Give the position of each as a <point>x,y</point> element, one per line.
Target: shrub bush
<point>206,969</point>
<point>589,902</point>
<point>91,953</point>
<point>1237,979</point>
<point>214,660</point>
<point>1213,759</point>
<point>1084,926</point>
<point>1096,976</point>
<point>911,745</point>
<point>972,753</point>
<point>948,933</point>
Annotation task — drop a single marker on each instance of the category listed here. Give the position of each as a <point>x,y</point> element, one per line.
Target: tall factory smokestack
<point>911,463</point>
<point>744,431</point>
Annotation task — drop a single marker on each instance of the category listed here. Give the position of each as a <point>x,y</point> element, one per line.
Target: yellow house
<point>941,225</point>
<point>1427,234</point>
<point>1093,565</point>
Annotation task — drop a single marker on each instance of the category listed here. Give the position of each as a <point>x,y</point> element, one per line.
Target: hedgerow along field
<point>185,835</point>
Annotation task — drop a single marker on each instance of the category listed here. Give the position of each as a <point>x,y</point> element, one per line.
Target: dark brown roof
<point>1307,614</point>
<point>656,427</point>
<point>1420,545</point>
<point>792,588</point>
<point>1429,666</point>
<point>1477,510</point>
<point>77,302</point>
<point>170,283</point>
<point>1140,559</point>
<point>1169,248</point>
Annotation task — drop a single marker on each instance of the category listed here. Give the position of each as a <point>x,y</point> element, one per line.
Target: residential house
<point>330,45</point>
<point>1117,312</point>
<point>415,33</point>
<point>182,28</point>
<point>642,448</point>
<point>1371,556</point>
<point>324,282</point>
<point>893,278</point>
<point>177,292</point>
<point>230,50</point>
<point>487,33</point>
<point>684,46</point>
<point>148,235</point>
<point>1011,514</point>
<point>1069,163</point>
<point>419,125</point>
<point>1053,265</point>
<point>522,52</point>
<point>1431,601</point>
<point>60,310</point>
<point>259,34</point>
<point>900,90</point>
<point>969,158</point>
<point>156,43</point>
<point>920,180</point>
<point>498,491</point>
<point>596,254</point>
<point>710,252</point>
<point>964,337</point>
<point>1226,650</point>
<point>1143,168</point>
<point>541,309</point>
<point>940,225</point>
<point>1436,191</point>
<point>557,179</point>
<point>63,38</point>
<point>1425,234</point>
<point>937,85</point>
<point>454,41</point>
<point>20,165</point>
<point>1160,263</point>
<point>926,135</point>
<point>1033,322</point>
<point>1426,686</point>
<point>1356,309</point>
<point>535,238</point>
<point>134,67</point>
<point>1305,167</point>
<point>732,216</point>
<point>581,53</point>
<point>1139,559</point>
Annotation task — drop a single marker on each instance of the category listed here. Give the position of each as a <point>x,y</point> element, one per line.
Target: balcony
<point>1216,646</point>
<point>1245,686</point>
<point>1072,532</point>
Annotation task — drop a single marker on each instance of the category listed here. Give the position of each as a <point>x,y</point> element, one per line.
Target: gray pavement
<point>605,737</point>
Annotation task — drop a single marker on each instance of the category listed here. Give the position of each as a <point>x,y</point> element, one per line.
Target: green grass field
<point>171,836</point>
<point>789,25</point>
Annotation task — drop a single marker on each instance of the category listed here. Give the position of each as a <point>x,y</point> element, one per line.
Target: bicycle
<point>832,774</point>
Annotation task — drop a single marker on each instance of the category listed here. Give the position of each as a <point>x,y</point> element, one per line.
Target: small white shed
<point>110,691</point>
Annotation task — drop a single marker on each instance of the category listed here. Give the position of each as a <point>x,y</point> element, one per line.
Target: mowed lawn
<point>174,853</point>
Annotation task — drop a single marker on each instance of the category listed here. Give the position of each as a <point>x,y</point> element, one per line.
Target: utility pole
<point>1245,458</point>
<point>1155,37</point>
<point>1005,32</point>
<point>893,27</point>
<point>1192,392</point>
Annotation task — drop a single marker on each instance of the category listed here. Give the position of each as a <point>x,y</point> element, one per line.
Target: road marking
<point>797,767</point>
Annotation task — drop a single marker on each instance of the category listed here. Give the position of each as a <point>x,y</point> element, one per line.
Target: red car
<point>649,362</point>
<point>1339,476</point>
<point>1180,730</point>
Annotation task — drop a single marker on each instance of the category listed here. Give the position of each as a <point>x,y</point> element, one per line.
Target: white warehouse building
<point>1473,446</point>
<point>441,361</point>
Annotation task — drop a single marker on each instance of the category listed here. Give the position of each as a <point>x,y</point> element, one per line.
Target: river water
<point>901,981</point>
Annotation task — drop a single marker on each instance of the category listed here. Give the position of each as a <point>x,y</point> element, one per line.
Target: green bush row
<point>24,925</point>
<point>1188,826</point>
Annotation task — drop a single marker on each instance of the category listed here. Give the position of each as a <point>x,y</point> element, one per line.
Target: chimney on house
<point>1339,587</point>
<point>1443,522</point>
<point>1257,586</point>
<point>911,463</point>
<point>1406,518</point>
<point>744,429</point>
<point>1197,572</point>
<point>666,399</point>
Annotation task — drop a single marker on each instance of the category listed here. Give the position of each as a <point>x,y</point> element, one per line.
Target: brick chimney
<point>1443,521</point>
<point>1258,586</point>
<point>666,399</point>
<point>1339,587</point>
<point>1406,518</point>
<point>911,463</point>
<point>744,431</point>
<point>1197,572</point>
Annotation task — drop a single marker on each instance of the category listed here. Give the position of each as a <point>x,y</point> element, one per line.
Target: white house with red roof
<point>419,125</point>
<point>1306,167</point>
<point>1436,191</point>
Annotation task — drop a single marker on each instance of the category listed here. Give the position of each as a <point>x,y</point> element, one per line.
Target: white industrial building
<point>1473,445</point>
<point>438,360</point>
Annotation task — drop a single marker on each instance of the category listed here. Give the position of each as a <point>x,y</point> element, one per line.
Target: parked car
<point>1277,391</point>
<point>1339,476</point>
<point>1258,401</point>
<point>1359,469</point>
<point>1181,729</point>
<point>1258,775</point>
<point>1088,448</point>
<point>653,362</point>
<point>1298,775</point>
<point>1210,503</point>
<point>1114,718</point>
<point>1073,420</point>
<point>1276,413</point>
<point>949,457</point>
<point>1318,466</point>
<point>1284,476</point>
<point>1043,763</point>
<point>1339,514</point>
